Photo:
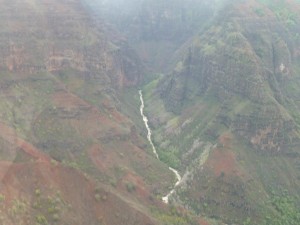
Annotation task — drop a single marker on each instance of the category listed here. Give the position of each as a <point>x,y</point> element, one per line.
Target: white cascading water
<point>165,199</point>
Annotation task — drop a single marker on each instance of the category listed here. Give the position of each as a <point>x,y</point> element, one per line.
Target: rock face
<point>235,85</point>
<point>252,58</point>
<point>68,152</point>
<point>225,114</point>
<point>74,40</point>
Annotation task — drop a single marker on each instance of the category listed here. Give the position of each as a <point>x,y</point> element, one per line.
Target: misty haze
<point>150,112</point>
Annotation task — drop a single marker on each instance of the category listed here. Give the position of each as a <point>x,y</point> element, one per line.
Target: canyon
<point>149,112</point>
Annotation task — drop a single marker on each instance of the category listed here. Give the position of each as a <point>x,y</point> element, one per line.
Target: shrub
<point>130,187</point>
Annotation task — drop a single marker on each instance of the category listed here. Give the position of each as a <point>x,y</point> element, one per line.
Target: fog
<point>155,18</point>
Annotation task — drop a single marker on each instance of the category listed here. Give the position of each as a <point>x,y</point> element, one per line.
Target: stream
<point>165,199</point>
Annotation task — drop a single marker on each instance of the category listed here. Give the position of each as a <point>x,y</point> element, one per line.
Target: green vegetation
<point>40,219</point>
<point>170,157</point>
<point>286,211</point>
<point>174,217</point>
<point>283,11</point>
<point>48,209</point>
<point>130,187</point>
<point>259,11</point>
<point>231,80</point>
<point>2,198</point>
<point>221,92</point>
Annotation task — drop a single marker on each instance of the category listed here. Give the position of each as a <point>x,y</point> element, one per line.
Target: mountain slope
<point>69,153</point>
<point>227,114</point>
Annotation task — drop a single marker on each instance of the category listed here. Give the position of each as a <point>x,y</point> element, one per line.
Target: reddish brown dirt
<point>92,121</point>
<point>140,187</point>
<point>22,179</point>
<point>106,159</point>
<point>296,6</point>
<point>10,136</point>
<point>222,161</point>
<point>97,156</point>
<point>68,101</point>
<point>114,113</point>
<point>120,158</point>
<point>203,222</point>
<point>248,9</point>
<point>225,140</point>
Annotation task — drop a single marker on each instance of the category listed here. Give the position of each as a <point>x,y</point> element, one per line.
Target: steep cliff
<point>69,154</point>
<point>251,57</point>
<point>227,115</point>
<point>220,83</point>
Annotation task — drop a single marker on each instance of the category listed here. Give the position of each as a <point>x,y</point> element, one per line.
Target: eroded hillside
<point>227,115</point>
<point>220,82</point>
<point>69,153</point>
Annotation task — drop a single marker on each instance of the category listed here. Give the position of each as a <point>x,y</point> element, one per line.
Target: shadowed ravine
<point>145,119</point>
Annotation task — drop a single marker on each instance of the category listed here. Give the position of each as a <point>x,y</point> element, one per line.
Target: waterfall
<point>165,199</point>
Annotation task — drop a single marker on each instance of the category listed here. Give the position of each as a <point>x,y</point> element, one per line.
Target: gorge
<point>150,112</point>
